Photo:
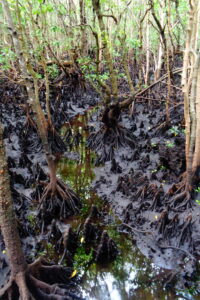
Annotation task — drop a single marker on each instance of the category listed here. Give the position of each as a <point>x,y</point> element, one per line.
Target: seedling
<point>170,144</point>
<point>162,168</point>
<point>153,145</point>
<point>174,130</point>
<point>197,189</point>
<point>53,71</point>
<point>197,201</point>
<point>183,131</point>
<point>32,219</point>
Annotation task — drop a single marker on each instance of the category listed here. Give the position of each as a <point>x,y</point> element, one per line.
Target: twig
<point>162,124</point>
<point>176,87</point>
<point>176,248</point>
<point>131,99</point>
<point>151,99</point>
<point>136,230</point>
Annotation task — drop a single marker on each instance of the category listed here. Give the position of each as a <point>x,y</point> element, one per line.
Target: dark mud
<point>28,167</point>
<point>139,184</point>
<point>131,274</point>
<point>131,206</point>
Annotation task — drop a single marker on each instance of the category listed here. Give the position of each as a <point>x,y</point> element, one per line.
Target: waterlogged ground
<point>131,275</point>
<point>128,188</point>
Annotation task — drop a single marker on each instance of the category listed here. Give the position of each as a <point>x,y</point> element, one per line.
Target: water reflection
<point>131,276</point>
<point>78,171</point>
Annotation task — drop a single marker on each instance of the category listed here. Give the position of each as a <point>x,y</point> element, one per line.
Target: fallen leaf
<point>73,273</point>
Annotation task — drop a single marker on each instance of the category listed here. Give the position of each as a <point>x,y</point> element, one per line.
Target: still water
<point>131,275</point>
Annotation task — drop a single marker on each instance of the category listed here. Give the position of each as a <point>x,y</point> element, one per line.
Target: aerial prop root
<point>181,195</point>
<point>115,137</point>
<point>40,280</point>
<point>57,193</point>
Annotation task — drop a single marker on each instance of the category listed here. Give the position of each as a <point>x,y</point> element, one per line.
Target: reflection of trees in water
<point>131,276</point>
<point>78,173</point>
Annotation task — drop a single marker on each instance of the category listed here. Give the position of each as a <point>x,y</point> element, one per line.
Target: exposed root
<point>180,249</point>
<point>150,193</point>
<point>55,143</point>
<point>171,278</point>
<point>181,198</point>
<point>58,201</point>
<point>7,286</point>
<point>186,232</point>
<point>111,135</point>
<point>107,249</point>
<point>163,222</point>
<point>185,199</point>
<point>136,230</point>
<point>40,281</point>
<point>168,228</point>
<point>107,139</point>
<point>64,240</point>
<point>29,120</point>
<point>90,231</point>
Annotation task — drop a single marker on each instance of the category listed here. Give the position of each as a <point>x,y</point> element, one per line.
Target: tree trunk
<point>106,46</point>
<point>84,43</point>
<point>160,25</point>
<point>191,88</point>
<point>146,79</point>
<point>9,229</point>
<point>196,160</point>
<point>27,277</point>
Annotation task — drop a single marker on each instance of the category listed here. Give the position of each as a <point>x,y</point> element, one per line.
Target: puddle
<point>131,275</point>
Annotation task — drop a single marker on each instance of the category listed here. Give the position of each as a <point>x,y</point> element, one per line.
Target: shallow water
<point>131,275</point>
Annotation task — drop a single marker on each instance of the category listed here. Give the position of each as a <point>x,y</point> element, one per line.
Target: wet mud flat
<point>138,183</point>
<point>124,202</point>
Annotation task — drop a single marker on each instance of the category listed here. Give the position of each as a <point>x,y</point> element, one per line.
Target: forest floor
<point>133,180</point>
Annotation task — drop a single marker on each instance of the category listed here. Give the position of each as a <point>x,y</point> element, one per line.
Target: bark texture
<point>8,226</point>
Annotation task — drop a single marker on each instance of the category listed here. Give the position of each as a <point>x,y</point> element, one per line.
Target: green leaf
<point>36,11</point>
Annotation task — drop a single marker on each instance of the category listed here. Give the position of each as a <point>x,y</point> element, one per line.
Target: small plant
<point>170,144</point>
<point>162,168</point>
<point>81,258</point>
<point>32,219</point>
<point>41,253</point>
<point>104,76</point>
<point>153,145</point>
<point>122,75</point>
<point>53,71</point>
<point>154,171</point>
<point>197,189</point>
<point>174,130</point>
<point>6,56</point>
<point>197,201</point>
<point>49,249</point>
<point>183,131</point>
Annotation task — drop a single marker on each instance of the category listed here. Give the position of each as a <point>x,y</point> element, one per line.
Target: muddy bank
<point>138,183</point>
<point>131,181</point>
<point>131,268</point>
<point>29,172</point>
